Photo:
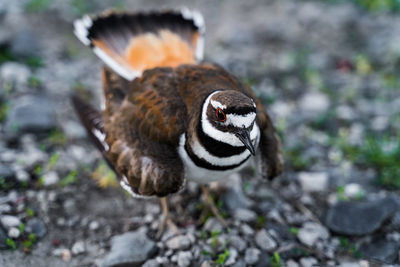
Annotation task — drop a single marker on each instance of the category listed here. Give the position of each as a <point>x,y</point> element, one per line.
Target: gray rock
<point>381,250</point>
<point>308,262</point>
<point>25,44</point>
<point>184,258</point>
<point>235,199</point>
<point>396,221</point>
<point>291,263</point>
<point>9,221</point>
<point>239,264</point>
<point>360,218</point>
<point>245,215</point>
<point>94,225</point>
<point>15,74</point>
<point>238,243</point>
<point>314,181</point>
<point>78,248</point>
<point>310,232</point>
<point>350,264</point>
<point>30,114</point>
<point>50,178</point>
<point>265,240</point>
<point>246,229</point>
<point>233,254</point>
<point>212,224</point>
<point>5,208</point>
<point>314,103</point>
<point>14,232</point>
<point>131,249</point>
<point>180,242</point>
<point>31,157</point>
<point>8,178</point>
<point>3,239</point>
<point>151,263</point>
<point>353,190</point>
<point>251,255</point>
<point>37,227</point>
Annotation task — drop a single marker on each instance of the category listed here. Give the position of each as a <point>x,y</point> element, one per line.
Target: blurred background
<point>328,74</point>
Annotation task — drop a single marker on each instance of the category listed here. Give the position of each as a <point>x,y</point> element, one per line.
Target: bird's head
<point>229,116</point>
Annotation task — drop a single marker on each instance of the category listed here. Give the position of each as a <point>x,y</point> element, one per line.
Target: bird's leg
<point>165,219</point>
<point>210,203</point>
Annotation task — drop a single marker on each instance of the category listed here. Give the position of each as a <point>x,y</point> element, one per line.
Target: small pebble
<point>251,255</point>
<point>184,258</point>
<point>13,232</point>
<point>245,215</point>
<point>94,225</point>
<point>265,240</point>
<point>9,221</point>
<point>78,248</point>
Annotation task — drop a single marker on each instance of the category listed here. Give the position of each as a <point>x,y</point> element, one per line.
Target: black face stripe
<point>217,148</point>
<point>240,110</point>
<point>206,165</point>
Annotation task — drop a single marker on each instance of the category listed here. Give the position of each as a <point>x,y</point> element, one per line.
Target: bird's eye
<point>220,115</point>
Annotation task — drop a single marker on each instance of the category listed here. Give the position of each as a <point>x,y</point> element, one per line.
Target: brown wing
<point>271,163</point>
<point>143,122</point>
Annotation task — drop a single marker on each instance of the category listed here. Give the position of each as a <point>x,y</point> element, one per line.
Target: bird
<point>168,116</point>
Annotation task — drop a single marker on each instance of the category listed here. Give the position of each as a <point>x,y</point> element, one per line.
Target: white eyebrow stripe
<point>240,120</point>
<point>217,104</point>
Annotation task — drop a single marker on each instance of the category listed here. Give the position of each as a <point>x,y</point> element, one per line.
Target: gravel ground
<point>328,75</point>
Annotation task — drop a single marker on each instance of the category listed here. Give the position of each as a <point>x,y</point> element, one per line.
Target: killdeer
<point>169,117</point>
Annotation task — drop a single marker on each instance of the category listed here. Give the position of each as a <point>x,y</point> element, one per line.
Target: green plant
<point>21,228</point>
<point>214,238</point>
<point>275,260</point>
<point>3,111</point>
<point>34,62</point>
<point>349,247</point>
<point>260,222</point>
<point>57,137</point>
<point>6,55</point>
<point>222,257</point>
<point>69,179</point>
<point>34,81</point>
<point>37,5</point>
<point>28,243</point>
<point>11,243</point>
<point>379,5</point>
<point>295,157</point>
<point>380,152</point>
<point>373,5</point>
<point>80,7</point>
<point>294,230</point>
<point>53,160</point>
<point>29,211</point>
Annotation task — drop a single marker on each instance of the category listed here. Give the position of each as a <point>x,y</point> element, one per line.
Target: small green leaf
<point>70,179</point>
<point>11,243</point>
<point>222,257</point>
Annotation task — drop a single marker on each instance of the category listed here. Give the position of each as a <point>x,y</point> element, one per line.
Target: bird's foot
<point>166,221</point>
<point>211,205</point>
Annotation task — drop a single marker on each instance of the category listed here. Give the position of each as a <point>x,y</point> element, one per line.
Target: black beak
<point>244,136</point>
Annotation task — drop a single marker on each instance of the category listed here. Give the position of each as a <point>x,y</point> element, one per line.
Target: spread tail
<point>130,43</point>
